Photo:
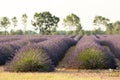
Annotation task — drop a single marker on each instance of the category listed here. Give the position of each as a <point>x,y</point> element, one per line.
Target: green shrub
<point>30,60</point>
<point>91,58</point>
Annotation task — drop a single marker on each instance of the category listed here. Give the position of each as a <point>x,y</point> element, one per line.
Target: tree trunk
<point>5,32</point>
<point>24,28</point>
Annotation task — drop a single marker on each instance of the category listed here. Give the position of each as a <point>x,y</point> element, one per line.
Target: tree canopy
<point>72,20</point>
<point>116,27</point>
<point>4,23</point>
<point>100,20</point>
<point>24,21</point>
<point>45,22</point>
<point>14,21</point>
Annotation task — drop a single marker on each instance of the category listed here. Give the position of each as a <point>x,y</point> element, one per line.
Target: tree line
<point>46,24</point>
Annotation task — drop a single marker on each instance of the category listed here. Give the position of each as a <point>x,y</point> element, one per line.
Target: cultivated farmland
<point>68,54</point>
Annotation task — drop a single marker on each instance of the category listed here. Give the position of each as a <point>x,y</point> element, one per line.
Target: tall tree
<point>45,22</point>
<point>4,23</point>
<point>109,29</point>
<point>14,21</point>
<point>72,20</point>
<point>24,21</point>
<point>116,27</point>
<point>100,20</point>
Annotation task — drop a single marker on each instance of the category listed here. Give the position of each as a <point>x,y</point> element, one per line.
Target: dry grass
<point>63,75</point>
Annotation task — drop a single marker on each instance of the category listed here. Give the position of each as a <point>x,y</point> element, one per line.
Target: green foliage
<point>69,32</point>
<point>30,32</point>
<point>14,21</point>
<point>113,28</point>
<point>100,20</point>
<point>4,23</point>
<point>12,32</point>
<point>109,28</point>
<point>98,31</point>
<point>18,32</point>
<point>4,33</point>
<point>88,32</point>
<point>45,22</point>
<point>79,29</point>
<point>60,32</point>
<point>30,60</point>
<point>24,21</point>
<point>72,20</point>
<point>81,32</point>
<point>116,27</point>
<point>92,59</point>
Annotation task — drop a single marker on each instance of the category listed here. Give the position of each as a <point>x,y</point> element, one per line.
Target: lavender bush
<point>85,43</point>
<point>8,50</point>
<point>30,59</point>
<point>77,37</point>
<point>112,41</point>
<point>92,59</point>
<point>53,48</point>
<point>57,47</point>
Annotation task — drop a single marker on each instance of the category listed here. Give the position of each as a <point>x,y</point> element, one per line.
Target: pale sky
<point>85,9</point>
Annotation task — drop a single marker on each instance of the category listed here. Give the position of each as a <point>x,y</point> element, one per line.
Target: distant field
<point>62,75</point>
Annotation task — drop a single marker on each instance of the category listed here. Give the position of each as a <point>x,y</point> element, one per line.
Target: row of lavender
<point>8,49</point>
<point>94,52</point>
<point>113,43</point>
<point>91,52</point>
<point>10,38</point>
<point>9,45</point>
<point>41,56</point>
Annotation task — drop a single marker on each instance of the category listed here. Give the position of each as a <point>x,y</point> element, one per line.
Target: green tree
<point>72,20</point>
<point>97,31</point>
<point>109,29</point>
<point>45,22</point>
<point>14,21</point>
<point>116,27</point>
<point>100,20</point>
<point>24,21</point>
<point>4,23</point>
<point>19,32</point>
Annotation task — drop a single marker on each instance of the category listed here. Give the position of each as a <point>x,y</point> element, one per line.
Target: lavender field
<point>49,52</point>
<point>63,55</point>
